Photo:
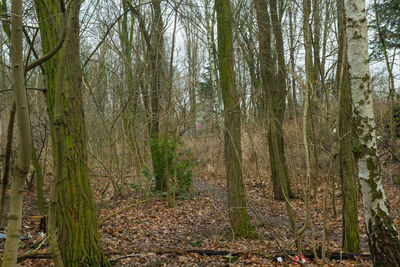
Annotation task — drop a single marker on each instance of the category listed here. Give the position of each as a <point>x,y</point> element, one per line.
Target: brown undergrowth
<point>199,220</point>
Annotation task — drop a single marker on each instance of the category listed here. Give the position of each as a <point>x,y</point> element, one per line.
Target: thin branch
<point>27,88</point>
<point>52,52</point>
<point>103,39</point>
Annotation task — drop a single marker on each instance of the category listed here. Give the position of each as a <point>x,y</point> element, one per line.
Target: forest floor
<point>148,233</point>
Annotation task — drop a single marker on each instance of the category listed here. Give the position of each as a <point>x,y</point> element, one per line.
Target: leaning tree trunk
<point>382,235</point>
<point>238,214</point>
<point>351,233</point>
<point>24,137</point>
<point>78,237</point>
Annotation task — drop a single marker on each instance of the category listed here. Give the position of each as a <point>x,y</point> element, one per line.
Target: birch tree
<point>382,235</point>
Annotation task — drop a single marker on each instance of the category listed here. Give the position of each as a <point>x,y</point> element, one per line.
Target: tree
<point>192,48</point>
<point>382,235</point>
<point>155,53</point>
<point>351,234</point>
<point>24,137</point>
<point>10,128</point>
<point>274,86</point>
<point>156,58</point>
<point>238,214</point>
<point>78,237</point>
<point>386,26</point>
<point>382,34</point>
<point>311,76</point>
<point>129,117</point>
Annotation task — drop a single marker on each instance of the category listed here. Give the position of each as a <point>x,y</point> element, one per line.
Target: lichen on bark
<point>382,235</point>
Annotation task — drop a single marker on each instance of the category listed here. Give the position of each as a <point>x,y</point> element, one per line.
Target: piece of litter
<point>4,237</point>
<point>303,259</point>
<point>279,259</point>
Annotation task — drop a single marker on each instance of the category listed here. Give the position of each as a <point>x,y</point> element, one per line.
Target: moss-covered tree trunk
<point>274,86</point>
<point>238,214</point>
<point>24,137</point>
<point>351,234</point>
<point>78,236</point>
<point>155,53</point>
<point>383,238</point>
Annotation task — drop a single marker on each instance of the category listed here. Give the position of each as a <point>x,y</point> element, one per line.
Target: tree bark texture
<point>382,235</point>
<point>351,233</point>
<point>274,86</point>
<point>238,214</point>
<point>78,237</point>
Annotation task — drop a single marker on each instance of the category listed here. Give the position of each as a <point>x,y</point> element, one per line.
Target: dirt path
<point>218,194</point>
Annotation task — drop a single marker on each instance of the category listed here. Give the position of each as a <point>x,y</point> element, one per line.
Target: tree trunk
<point>156,61</point>
<point>78,237</point>
<point>238,214</point>
<point>382,235</point>
<point>311,83</point>
<point>6,166</point>
<point>129,116</point>
<point>351,233</point>
<point>292,99</point>
<point>24,137</point>
<point>392,89</point>
<point>39,181</point>
<point>274,86</point>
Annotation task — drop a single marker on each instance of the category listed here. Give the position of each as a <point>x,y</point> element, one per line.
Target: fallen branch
<point>121,210</point>
<point>32,256</point>
<point>207,252</point>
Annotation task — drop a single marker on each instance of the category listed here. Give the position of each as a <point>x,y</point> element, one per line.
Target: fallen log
<point>273,255</point>
<point>209,252</point>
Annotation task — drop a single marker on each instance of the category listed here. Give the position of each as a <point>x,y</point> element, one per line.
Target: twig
<point>388,148</point>
<point>33,251</point>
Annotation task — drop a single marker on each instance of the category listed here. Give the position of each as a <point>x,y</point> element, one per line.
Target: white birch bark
<point>382,234</point>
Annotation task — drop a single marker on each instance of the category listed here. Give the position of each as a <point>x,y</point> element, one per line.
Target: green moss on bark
<point>78,237</point>
<point>238,214</point>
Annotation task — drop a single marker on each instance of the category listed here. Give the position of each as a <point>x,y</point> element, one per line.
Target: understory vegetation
<point>199,133</point>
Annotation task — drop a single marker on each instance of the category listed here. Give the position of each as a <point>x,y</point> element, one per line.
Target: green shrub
<point>184,164</point>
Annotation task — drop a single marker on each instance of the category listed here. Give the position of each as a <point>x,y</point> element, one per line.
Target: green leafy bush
<point>184,164</point>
